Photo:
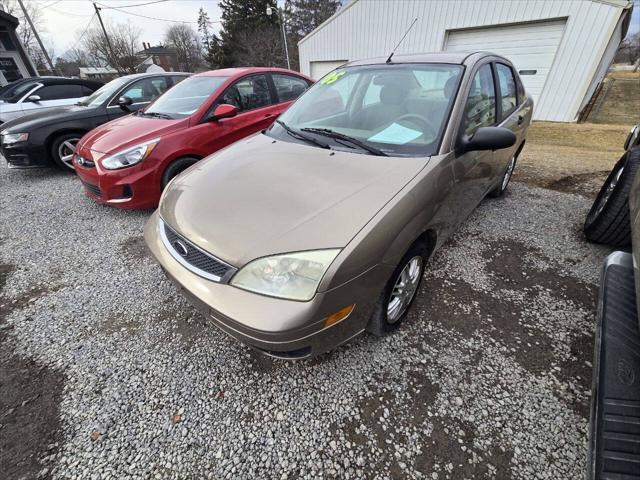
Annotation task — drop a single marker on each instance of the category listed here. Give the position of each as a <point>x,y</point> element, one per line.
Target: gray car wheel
<point>63,148</point>
<point>400,291</point>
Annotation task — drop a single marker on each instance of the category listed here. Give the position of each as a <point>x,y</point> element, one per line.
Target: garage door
<point>530,46</point>
<point>320,69</point>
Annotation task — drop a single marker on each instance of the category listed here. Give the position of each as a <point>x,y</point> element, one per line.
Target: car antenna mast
<point>401,40</point>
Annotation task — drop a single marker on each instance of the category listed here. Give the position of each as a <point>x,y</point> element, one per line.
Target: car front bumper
<point>135,187</point>
<point>276,327</point>
<point>25,155</point>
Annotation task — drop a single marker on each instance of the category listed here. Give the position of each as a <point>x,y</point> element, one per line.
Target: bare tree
<point>187,44</point>
<point>629,50</point>
<point>124,39</point>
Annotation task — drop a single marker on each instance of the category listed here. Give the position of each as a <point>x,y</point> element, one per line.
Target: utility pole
<point>35,33</point>
<point>284,35</point>
<point>106,37</point>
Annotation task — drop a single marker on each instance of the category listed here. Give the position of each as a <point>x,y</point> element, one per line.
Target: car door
<point>287,89</point>
<point>257,108</point>
<point>52,96</point>
<point>512,112</point>
<point>474,171</point>
<point>141,92</point>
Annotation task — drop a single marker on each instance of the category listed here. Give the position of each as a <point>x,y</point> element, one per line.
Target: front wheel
<point>175,168</point>
<point>399,292</point>
<point>62,150</point>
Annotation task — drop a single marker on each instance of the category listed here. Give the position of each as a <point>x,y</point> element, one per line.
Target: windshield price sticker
<point>331,78</point>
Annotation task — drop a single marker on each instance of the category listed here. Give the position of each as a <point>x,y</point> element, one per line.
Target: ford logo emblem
<point>181,248</point>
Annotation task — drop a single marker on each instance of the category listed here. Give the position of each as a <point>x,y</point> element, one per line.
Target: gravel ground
<point>488,378</point>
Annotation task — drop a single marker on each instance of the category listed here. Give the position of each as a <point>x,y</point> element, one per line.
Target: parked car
<point>44,94</point>
<point>127,162</point>
<point>10,89</point>
<point>297,239</point>
<point>39,139</point>
<point>615,397</point>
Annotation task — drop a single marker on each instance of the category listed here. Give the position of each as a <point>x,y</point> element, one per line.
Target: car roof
<point>65,80</point>
<point>154,74</point>
<point>458,58</point>
<point>239,71</point>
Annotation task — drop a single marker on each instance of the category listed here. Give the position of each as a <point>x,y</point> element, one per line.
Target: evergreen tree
<point>241,18</point>
<point>209,40</point>
<point>307,15</point>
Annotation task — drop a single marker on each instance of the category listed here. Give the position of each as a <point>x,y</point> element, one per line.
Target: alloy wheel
<point>404,289</point>
<point>508,173</point>
<point>66,150</point>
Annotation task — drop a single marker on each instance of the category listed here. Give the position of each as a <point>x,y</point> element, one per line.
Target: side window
<point>288,87</point>
<point>176,79</point>
<point>508,89</point>
<point>480,110</point>
<point>86,91</point>
<point>145,90</point>
<point>59,92</point>
<point>248,93</point>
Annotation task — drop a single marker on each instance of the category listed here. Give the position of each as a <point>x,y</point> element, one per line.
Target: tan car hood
<point>261,197</point>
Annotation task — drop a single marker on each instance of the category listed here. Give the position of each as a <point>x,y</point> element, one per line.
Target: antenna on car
<point>405,34</point>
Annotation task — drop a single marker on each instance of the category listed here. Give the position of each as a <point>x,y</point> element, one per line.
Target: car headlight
<point>11,138</point>
<point>130,156</point>
<point>294,276</point>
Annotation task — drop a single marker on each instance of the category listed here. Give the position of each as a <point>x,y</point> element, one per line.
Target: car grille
<point>92,189</point>
<point>193,258</point>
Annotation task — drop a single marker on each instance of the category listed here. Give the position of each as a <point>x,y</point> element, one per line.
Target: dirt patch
<point>5,271</point>
<point>451,453</point>
<point>8,306</point>
<point>29,413</point>
<point>135,248</point>
<point>189,324</point>
<point>586,184</point>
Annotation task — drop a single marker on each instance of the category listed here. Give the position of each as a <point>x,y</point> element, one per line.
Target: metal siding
<point>369,28</point>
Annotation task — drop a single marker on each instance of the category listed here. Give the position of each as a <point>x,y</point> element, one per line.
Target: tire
<point>385,318</point>
<point>62,149</point>
<point>609,221</point>
<point>506,177</point>
<point>175,168</point>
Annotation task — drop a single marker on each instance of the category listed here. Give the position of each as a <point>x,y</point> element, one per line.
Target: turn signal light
<point>339,315</point>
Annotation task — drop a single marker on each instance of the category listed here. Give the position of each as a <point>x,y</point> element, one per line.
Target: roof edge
<point>327,21</point>
<point>616,3</point>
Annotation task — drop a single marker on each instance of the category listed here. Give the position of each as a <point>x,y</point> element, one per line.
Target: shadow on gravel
<point>135,248</point>
<point>30,396</point>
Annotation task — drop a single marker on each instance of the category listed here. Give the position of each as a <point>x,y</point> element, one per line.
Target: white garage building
<point>562,48</point>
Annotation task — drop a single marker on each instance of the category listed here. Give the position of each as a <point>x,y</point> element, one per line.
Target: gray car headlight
<point>294,276</point>
<point>11,138</point>
<point>130,156</point>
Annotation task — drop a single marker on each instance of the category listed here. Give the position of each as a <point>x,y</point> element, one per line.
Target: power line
<point>150,18</point>
<point>136,4</point>
<point>69,13</point>
<point>80,37</point>
<point>51,4</point>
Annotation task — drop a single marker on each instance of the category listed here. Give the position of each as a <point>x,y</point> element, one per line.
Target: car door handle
<point>520,119</point>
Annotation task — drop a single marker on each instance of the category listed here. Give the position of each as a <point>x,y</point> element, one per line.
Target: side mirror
<point>489,138</point>
<point>33,98</point>
<point>124,102</point>
<point>224,110</point>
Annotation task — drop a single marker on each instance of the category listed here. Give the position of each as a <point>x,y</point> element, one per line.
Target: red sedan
<point>128,162</point>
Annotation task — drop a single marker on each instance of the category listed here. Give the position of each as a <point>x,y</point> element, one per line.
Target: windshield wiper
<point>156,115</point>
<point>300,136</point>
<point>341,136</point>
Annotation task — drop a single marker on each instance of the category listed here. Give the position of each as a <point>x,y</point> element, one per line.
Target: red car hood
<point>127,132</point>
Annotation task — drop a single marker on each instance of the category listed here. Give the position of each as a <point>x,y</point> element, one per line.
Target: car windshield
<point>104,93</point>
<point>398,109</point>
<point>185,98</point>
<point>16,92</point>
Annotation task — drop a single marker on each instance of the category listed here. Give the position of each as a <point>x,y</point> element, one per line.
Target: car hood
<point>32,121</point>
<point>262,197</point>
<point>127,131</point>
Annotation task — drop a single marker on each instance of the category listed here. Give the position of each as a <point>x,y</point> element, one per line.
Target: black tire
<point>60,146</point>
<point>609,220</point>
<point>506,177</point>
<point>176,167</point>
<point>380,322</point>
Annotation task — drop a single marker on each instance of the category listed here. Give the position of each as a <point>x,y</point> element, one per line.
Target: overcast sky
<point>66,19</point>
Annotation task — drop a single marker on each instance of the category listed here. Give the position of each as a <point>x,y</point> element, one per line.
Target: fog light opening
<point>339,315</point>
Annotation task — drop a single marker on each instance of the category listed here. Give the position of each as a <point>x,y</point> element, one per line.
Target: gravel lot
<point>108,373</point>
